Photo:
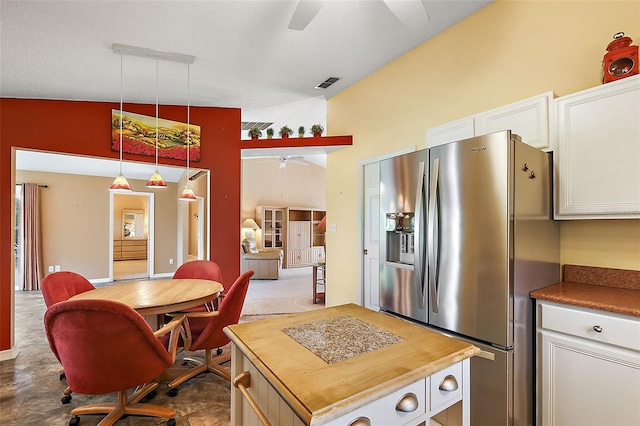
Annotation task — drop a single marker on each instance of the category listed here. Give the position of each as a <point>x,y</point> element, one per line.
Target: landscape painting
<point>139,136</point>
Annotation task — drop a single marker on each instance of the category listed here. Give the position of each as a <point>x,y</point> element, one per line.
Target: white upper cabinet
<point>450,132</point>
<point>528,118</point>
<point>597,153</point>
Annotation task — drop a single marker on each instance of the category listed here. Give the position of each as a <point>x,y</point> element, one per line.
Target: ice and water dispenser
<point>400,237</point>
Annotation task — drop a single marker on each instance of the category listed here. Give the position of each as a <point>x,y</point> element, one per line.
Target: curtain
<point>32,237</point>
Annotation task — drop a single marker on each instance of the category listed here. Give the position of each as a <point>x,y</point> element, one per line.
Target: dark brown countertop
<point>612,290</point>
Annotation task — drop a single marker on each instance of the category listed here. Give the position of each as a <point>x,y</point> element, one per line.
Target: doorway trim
<point>150,230</point>
<point>361,213</point>
<point>182,253</point>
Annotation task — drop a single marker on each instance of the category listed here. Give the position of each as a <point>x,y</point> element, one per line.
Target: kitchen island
<point>347,363</point>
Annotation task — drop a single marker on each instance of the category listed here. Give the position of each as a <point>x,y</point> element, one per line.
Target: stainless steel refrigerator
<point>467,233</point>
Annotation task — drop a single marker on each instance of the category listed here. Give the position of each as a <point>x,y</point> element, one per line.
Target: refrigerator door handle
<point>435,174</point>
<point>419,223</point>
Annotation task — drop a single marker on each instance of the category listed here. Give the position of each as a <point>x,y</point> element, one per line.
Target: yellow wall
<point>508,51</point>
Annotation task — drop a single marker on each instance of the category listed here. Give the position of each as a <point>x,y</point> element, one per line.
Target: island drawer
<point>389,409</point>
<point>605,327</point>
<point>445,387</point>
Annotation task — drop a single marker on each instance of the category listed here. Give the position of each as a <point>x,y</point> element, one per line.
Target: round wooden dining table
<point>156,297</point>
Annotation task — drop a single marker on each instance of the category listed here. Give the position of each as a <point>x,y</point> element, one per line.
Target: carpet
<point>289,294</point>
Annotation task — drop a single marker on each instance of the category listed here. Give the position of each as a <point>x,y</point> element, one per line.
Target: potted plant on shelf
<point>301,132</point>
<point>317,130</point>
<point>269,133</point>
<point>285,132</point>
<point>254,133</point>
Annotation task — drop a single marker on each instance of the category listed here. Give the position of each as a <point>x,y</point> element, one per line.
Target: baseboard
<point>8,354</point>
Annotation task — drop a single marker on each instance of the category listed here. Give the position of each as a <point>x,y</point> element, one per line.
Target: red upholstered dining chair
<point>202,270</point>
<point>106,346</point>
<point>204,332</point>
<point>58,287</point>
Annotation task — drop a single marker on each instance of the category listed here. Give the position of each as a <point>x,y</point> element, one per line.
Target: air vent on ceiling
<point>246,125</point>
<point>198,175</point>
<point>328,82</point>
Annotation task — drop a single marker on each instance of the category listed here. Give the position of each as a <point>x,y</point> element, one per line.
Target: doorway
<point>131,245</point>
<point>191,231</point>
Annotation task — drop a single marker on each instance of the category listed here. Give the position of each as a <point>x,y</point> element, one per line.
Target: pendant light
<point>156,181</point>
<point>187,193</point>
<point>120,183</point>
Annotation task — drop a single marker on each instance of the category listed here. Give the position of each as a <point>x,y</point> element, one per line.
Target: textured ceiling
<point>245,56</point>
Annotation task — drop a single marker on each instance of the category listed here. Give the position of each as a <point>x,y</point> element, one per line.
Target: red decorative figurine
<point>621,59</point>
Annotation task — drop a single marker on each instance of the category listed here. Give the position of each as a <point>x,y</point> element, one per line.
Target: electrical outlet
<point>51,268</point>
<point>333,227</point>
<point>170,261</point>
<point>57,268</point>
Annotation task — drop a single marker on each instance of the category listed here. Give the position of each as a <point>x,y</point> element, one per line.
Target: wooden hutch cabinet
<point>272,223</point>
<point>293,230</point>
<point>304,245</point>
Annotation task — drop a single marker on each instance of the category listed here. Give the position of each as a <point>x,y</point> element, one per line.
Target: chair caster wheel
<point>150,396</point>
<point>75,421</point>
<point>173,392</point>
<point>171,422</point>
<point>219,351</point>
<point>65,400</point>
<point>62,376</point>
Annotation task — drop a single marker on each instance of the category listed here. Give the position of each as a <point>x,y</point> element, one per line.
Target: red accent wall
<point>83,128</point>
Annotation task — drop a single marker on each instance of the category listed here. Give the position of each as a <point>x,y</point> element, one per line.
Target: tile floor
<point>30,389</point>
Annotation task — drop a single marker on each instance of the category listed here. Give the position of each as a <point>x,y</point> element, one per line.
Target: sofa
<point>265,262</point>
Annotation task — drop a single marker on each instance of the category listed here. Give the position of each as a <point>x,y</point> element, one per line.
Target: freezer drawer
<point>491,387</point>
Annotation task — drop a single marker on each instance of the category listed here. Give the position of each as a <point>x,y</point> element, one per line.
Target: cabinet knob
<point>407,403</point>
<point>449,384</point>
<point>361,421</point>
<point>597,329</point>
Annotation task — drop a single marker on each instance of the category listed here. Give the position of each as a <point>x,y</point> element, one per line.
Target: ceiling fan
<point>411,13</point>
<point>284,159</point>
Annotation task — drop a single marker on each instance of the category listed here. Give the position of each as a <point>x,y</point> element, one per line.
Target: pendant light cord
<point>188,118</point>
<point>121,95</point>
<point>156,114</point>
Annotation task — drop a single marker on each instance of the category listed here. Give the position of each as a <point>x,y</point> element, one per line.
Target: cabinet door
<point>586,383</point>
<point>272,228</point>
<point>528,119</point>
<point>298,257</point>
<point>299,234</point>
<point>598,156</point>
<point>450,132</point>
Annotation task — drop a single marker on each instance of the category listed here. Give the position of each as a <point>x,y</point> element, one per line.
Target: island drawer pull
<point>243,382</point>
<point>361,421</point>
<point>408,403</point>
<point>449,384</point>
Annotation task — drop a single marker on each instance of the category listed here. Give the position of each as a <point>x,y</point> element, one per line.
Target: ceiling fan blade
<point>305,11</point>
<point>410,12</point>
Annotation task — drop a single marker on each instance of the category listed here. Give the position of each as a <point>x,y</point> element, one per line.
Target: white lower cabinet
<point>588,367</point>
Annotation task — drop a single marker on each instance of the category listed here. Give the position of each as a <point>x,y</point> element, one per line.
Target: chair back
<point>103,346</point>
<point>199,269</point>
<point>60,286</point>
<point>229,312</point>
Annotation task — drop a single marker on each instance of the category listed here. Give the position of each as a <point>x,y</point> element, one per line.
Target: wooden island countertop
<point>327,362</point>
